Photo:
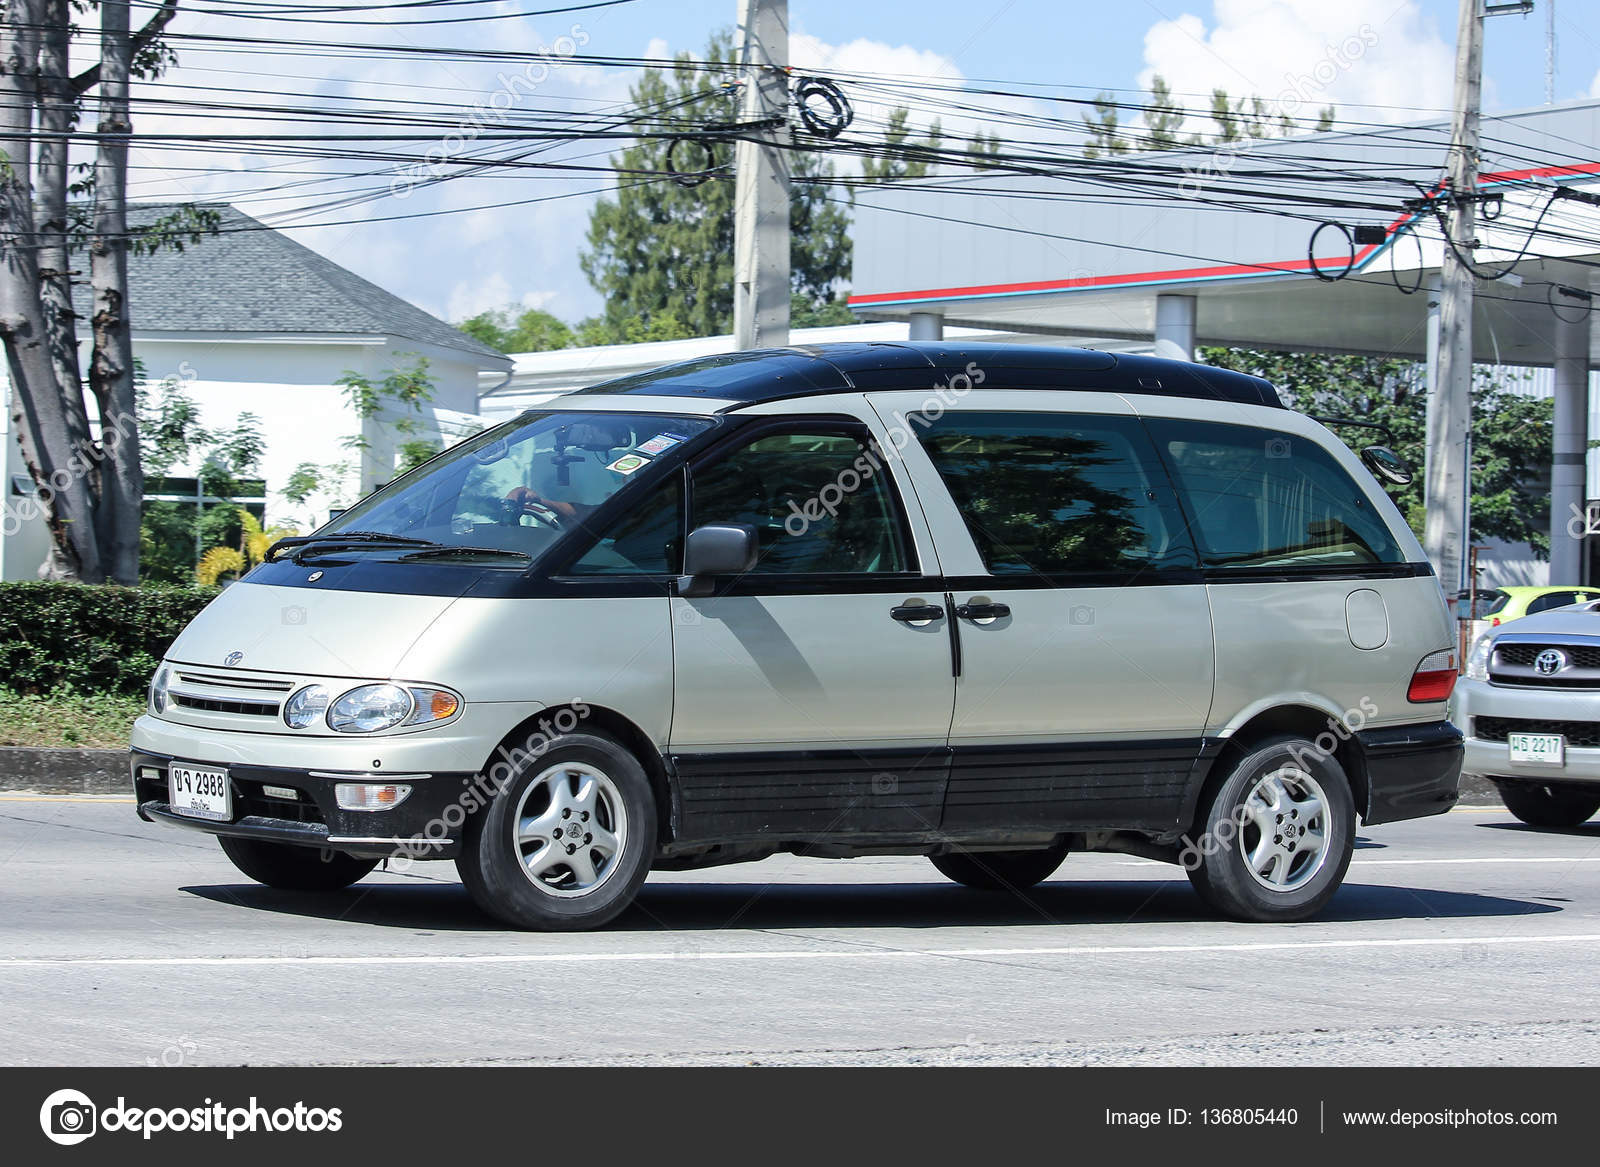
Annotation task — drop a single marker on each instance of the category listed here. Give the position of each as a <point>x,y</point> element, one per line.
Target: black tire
<point>1548,806</point>
<point>1215,856</point>
<point>1000,870</point>
<point>495,866</point>
<point>292,868</point>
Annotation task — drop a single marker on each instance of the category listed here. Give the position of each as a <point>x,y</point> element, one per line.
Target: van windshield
<point>511,491</point>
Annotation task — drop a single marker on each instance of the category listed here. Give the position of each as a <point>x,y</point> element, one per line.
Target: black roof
<point>811,370</point>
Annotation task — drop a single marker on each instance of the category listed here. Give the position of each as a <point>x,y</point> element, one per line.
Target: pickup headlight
<point>158,689</point>
<point>1478,658</point>
<point>369,709</point>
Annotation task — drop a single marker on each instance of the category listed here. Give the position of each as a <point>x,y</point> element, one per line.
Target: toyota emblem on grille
<point>234,658</point>
<point>1549,661</point>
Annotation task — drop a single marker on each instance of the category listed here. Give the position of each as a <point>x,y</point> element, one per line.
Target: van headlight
<point>1478,658</point>
<point>306,707</point>
<point>369,709</point>
<point>158,689</point>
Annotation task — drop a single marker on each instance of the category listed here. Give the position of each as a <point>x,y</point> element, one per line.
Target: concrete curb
<point>42,771</point>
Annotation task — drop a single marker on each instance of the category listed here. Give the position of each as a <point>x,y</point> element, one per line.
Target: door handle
<point>982,612</point>
<point>916,613</point>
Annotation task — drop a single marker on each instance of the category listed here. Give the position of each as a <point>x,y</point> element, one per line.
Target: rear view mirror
<point>1387,466</point>
<point>717,549</point>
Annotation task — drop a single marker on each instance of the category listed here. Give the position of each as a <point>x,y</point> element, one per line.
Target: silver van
<point>987,604</point>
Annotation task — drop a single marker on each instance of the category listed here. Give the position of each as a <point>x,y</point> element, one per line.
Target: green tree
<point>1511,432</point>
<point>902,156</point>
<point>660,253</point>
<point>1235,118</point>
<point>532,330</point>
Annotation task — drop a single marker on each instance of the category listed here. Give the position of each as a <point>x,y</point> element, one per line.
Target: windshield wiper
<point>442,551</point>
<point>345,538</point>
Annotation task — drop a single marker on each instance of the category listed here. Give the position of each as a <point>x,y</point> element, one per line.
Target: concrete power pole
<point>1448,487</point>
<point>761,179</point>
<point>1549,52</point>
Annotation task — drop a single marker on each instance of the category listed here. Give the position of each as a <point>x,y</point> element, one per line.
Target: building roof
<point>250,278</point>
<point>1057,253</point>
<point>775,374</point>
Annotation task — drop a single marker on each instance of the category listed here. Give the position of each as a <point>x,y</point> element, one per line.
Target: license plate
<point>201,792</point>
<point>1550,748</point>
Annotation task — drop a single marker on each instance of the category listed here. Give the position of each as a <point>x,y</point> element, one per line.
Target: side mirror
<point>1387,466</point>
<point>717,549</point>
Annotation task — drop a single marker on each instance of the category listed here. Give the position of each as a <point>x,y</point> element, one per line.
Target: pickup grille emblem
<point>233,658</point>
<point>1549,661</point>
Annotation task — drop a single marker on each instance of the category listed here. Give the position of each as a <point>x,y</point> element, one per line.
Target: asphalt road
<point>1461,940</point>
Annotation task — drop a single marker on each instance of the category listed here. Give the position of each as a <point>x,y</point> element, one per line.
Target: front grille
<point>1582,734</point>
<point>217,705</point>
<point>1513,663</point>
<point>1582,656</point>
<point>235,682</point>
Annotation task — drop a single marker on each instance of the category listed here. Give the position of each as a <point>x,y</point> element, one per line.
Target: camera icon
<point>885,784</point>
<point>1277,447</point>
<point>294,614</point>
<point>686,616</point>
<point>1080,615</point>
<point>67,1117</point>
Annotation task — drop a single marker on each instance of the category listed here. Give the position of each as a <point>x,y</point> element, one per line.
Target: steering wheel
<point>513,510</point>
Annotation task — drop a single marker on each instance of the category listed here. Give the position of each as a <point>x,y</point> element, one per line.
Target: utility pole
<point>761,178</point>
<point>1549,52</point>
<point>1449,423</point>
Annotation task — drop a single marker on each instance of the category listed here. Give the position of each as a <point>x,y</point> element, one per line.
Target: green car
<point>1498,605</point>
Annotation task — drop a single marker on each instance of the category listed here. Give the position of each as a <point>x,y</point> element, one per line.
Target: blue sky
<point>459,263</point>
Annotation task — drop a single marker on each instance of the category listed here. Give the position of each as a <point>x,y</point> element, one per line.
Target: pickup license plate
<point>201,792</point>
<point>1549,748</point>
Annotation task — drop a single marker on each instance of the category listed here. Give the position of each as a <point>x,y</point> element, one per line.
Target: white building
<point>249,321</point>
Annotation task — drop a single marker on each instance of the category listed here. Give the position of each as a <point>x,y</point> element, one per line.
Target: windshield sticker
<point>659,443</point>
<point>628,463</point>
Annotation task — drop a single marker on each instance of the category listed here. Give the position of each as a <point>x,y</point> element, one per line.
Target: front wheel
<point>1277,834</point>
<point>1000,870</point>
<point>293,868</point>
<point>567,841</point>
<point>1548,806</point>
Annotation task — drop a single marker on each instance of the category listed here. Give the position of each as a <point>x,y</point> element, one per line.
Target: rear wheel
<point>1000,870</point>
<point>567,842</point>
<point>294,868</point>
<point>1277,834</point>
<point>1548,806</point>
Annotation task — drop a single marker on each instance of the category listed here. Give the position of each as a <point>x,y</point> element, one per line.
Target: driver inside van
<point>572,479</point>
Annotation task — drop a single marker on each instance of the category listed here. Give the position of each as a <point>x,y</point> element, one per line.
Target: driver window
<point>819,501</point>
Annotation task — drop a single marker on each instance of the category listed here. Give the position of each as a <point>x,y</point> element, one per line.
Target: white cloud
<point>472,296</point>
<point>1374,60</point>
<point>1594,86</point>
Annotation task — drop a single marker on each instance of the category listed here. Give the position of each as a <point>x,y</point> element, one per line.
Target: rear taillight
<point>1434,678</point>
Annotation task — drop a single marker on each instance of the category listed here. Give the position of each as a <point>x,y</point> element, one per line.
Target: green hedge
<point>90,638</point>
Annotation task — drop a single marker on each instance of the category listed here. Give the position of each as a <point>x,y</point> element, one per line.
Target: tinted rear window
<point>1260,498</point>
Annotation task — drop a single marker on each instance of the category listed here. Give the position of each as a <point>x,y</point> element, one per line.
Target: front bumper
<point>1491,759</point>
<point>1412,770</point>
<point>427,825</point>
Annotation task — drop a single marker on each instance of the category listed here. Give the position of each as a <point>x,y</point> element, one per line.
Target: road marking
<point>1474,859</point>
<point>795,954</point>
